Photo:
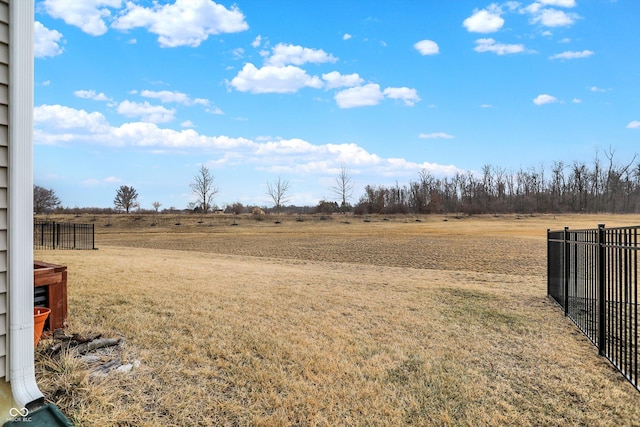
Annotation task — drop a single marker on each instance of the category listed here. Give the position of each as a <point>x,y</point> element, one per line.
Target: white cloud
<point>576,100</point>
<point>597,89</point>
<point>490,45</point>
<point>285,146</point>
<point>392,168</point>
<point>572,55</point>
<point>553,18</point>
<point>166,96</point>
<point>56,124</point>
<point>96,181</point>
<point>359,96</point>
<point>270,79</point>
<point>435,135</point>
<point>282,74</point>
<point>408,95</point>
<point>634,124</point>
<point>256,42</point>
<point>150,135</point>
<point>201,101</point>
<point>183,23</point>
<point>187,124</point>
<point>46,41</point>
<point>68,123</point>
<point>512,5</point>
<point>559,3</point>
<point>334,79</point>
<point>238,53</point>
<point>214,110</point>
<point>91,94</point>
<point>146,112</point>
<point>288,54</point>
<point>370,94</point>
<point>88,15</point>
<point>544,99</point>
<point>533,8</point>
<point>346,36</point>
<point>328,158</point>
<point>427,47</point>
<point>353,154</point>
<point>484,21</point>
<point>486,106</point>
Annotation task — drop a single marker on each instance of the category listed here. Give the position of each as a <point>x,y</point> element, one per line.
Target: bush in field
<point>327,207</point>
<point>258,213</point>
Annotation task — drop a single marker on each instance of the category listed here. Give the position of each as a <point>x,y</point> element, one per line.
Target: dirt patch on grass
<point>441,246</point>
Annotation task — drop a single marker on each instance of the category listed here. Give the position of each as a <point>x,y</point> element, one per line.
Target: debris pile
<point>101,356</point>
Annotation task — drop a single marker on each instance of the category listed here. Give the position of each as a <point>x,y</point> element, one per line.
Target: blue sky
<point>142,93</point>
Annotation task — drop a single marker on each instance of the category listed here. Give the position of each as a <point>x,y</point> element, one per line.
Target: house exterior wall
<point>4,163</point>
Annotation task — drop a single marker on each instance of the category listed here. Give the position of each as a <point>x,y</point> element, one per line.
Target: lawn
<point>392,321</point>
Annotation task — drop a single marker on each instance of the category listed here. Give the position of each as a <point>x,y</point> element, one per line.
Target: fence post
<point>602,290</point>
<point>93,236</point>
<point>567,271</point>
<point>548,263</point>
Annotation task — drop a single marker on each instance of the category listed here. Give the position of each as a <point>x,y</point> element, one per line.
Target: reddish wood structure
<point>50,290</point>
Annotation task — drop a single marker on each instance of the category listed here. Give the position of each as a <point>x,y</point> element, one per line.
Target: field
<point>392,321</point>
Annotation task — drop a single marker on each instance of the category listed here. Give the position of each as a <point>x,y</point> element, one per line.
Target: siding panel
<point>4,114</point>
<point>4,163</point>
<point>4,137</point>
<point>4,53</point>
<point>4,89</point>
<point>4,12</point>
<point>4,33</point>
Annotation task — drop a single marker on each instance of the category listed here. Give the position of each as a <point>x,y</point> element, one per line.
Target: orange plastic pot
<point>40,315</point>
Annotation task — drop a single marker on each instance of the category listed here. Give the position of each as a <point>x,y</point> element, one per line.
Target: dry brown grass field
<point>393,321</point>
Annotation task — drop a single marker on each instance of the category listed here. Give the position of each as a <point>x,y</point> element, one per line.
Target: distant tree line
<point>601,186</point>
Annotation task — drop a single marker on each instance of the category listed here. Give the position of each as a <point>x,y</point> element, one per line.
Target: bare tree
<point>278,192</point>
<point>156,205</point>
<point>615,184</point>
<point>344,187</point>
<point>126,198</point>
<point>44,199</point>
<point>204,188</point>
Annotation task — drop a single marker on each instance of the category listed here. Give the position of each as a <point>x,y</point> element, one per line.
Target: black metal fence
<point>62,235</point>
<point>593,275</point>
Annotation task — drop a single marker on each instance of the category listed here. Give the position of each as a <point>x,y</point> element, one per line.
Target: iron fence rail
<point>63,235</point>
<point>593,275</point>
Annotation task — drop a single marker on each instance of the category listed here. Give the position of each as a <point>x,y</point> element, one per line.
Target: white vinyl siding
<point>4,137</point>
